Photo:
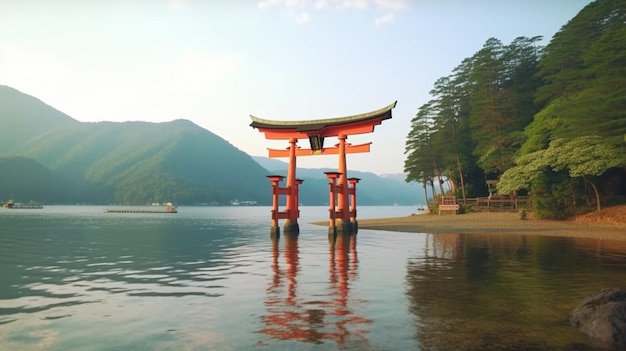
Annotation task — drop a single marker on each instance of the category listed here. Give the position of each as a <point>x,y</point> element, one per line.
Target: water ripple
<point>212,279</point>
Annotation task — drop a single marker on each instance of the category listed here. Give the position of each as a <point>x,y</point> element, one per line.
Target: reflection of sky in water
<point>210,278</point>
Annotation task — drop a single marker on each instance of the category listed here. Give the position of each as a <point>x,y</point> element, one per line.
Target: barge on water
<point>168,209</point>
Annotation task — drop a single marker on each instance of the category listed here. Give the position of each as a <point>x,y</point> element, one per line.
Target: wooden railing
<point>498,203</point>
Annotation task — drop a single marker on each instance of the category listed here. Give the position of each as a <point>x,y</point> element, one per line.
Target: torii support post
<point>352,193</point>
<point>291,224</point>
<point>288,213</point>
<point>332,212</point>
<point>297,198</point>
<point>276,190</point>
<point>344,224</point>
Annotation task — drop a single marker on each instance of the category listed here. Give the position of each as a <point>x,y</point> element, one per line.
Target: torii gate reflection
<point>315,321</point>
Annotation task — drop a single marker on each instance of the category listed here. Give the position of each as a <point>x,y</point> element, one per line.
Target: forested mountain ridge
<point>23,117</point>
<point>546,120</point>
<point>129,163</point>
<point>49,157</point>
<point>28,180</point>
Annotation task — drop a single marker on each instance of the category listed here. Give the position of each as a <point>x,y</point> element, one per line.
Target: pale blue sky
<point>217,62</point>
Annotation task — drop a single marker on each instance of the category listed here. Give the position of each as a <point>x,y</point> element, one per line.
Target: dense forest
<point>549,121</point>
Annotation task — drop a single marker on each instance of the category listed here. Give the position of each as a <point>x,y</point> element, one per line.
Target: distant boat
<point>21,206</point>
<point>170,208</point>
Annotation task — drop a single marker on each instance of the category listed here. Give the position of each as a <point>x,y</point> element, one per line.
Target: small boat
<point>21,206</point>
<point>170,208</point>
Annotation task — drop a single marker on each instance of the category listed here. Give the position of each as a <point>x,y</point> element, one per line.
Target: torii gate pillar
<point>332,212</point>
<point>343,224</point>
<point>352,212</point>
<point>291,224</point>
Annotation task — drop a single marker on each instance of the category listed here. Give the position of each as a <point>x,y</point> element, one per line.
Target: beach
<point>609,224</point>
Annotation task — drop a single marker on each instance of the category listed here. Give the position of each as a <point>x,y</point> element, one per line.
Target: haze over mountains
<point>49,157</point>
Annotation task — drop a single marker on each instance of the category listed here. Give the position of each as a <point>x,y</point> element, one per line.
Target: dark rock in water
<point>602,316</point>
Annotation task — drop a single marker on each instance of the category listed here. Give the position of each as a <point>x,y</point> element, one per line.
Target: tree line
<point>549,120</point>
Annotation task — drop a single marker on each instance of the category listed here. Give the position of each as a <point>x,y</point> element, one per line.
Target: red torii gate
<point>342,217</point>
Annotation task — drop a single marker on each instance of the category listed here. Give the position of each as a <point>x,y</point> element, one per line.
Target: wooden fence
<point>498,203</point>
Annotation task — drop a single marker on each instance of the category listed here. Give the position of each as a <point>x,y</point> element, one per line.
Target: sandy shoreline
<point>496,223</point>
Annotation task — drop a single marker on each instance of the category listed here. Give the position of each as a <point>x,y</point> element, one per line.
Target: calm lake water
<point>210,278</point>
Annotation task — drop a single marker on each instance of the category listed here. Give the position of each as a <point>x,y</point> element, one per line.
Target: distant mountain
<point>271,164</point>
<point>371,190</point>
<point>127,163</point>
<point>23,116</point>
<point>47,156</point>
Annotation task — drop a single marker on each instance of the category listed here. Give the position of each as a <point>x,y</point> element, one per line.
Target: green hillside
<point>22,117</point>
<point>24,179</point>
<point>128,163</point>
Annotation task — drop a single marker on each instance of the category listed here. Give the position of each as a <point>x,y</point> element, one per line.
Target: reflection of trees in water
<point>316,321</point>
<point>505,292</point>
<point>446,246</point>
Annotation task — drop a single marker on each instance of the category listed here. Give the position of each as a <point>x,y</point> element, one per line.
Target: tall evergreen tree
<point>503,84</point>
<point>582,125</point>
<point>478,113</point>
<point>487,117</point>
<point>583,72</point>
<point>421,164</point>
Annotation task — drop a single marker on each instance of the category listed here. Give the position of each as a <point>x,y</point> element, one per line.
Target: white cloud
<point>388,17</point>
<point>296,9</point>
<point>179,5</point>
<point>395,5</point>
<point>287,3</point>
<point>302,17</point>
<point>320,4</point>
<point>357,4</point>
<point>299,9</point>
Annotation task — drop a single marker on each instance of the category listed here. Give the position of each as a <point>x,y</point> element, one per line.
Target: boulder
<point>602,316</point>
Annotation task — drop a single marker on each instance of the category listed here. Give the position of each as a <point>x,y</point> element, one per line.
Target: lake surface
<point>210,278</point>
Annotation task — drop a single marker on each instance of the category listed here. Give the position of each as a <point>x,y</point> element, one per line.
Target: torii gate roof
<point>327,127</point>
